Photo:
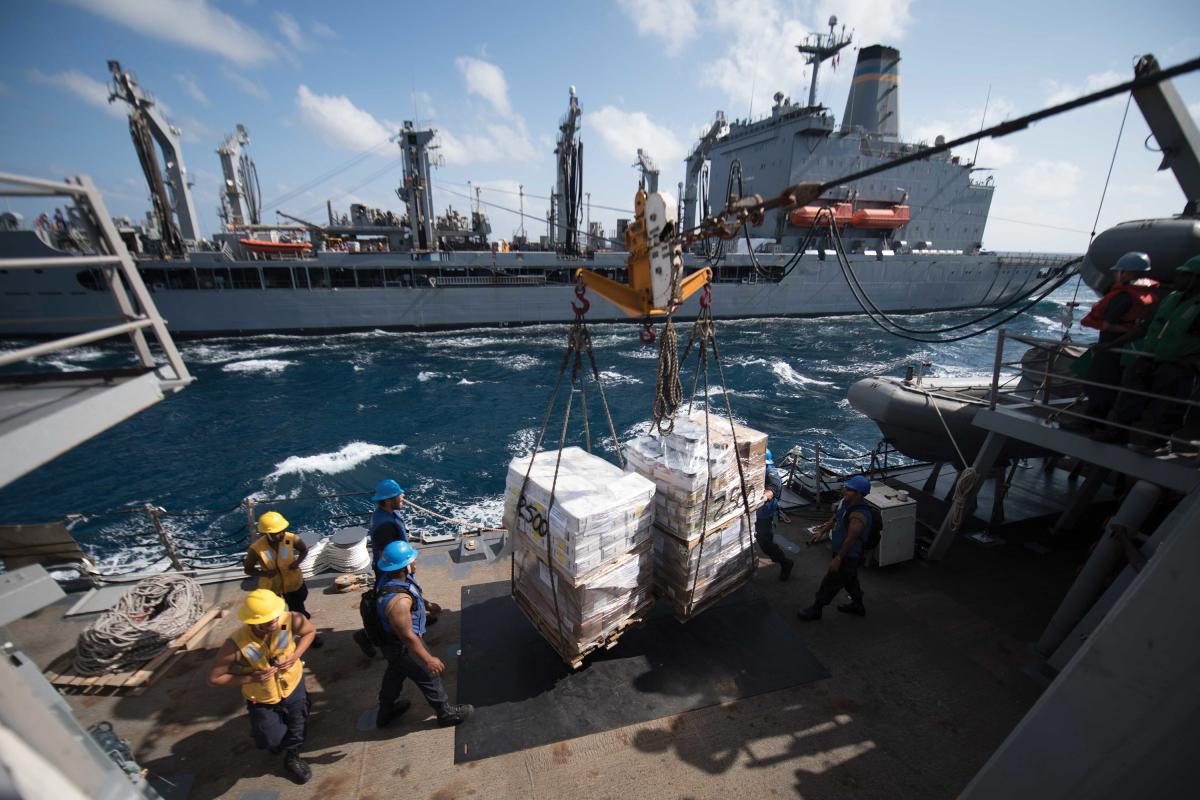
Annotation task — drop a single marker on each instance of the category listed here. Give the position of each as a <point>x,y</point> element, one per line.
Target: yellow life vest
<point>255,655</point>
<point>281,559</point>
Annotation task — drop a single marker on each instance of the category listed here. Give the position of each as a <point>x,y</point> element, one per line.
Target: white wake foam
<point>615,378</point>
<point>424,376</point>
<point>270,366</point>
<point>786,374</point>
<point>342,460</point>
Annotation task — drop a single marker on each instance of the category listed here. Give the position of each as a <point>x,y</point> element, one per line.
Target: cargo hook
<point>583,309</point>
<point>647,333</point>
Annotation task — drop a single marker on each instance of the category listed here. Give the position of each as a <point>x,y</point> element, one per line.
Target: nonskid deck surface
<point>921,691</point>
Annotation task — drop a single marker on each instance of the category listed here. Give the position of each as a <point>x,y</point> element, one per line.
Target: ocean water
<point>442,413</point>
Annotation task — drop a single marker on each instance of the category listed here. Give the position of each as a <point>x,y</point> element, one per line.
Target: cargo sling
<point>579,342</point>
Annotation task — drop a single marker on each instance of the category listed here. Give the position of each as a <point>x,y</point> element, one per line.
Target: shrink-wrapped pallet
<point>599,511</point>
<point>582,565</point>
<point>690,575</point>
<point>688,465</point>
<point>589,615</point>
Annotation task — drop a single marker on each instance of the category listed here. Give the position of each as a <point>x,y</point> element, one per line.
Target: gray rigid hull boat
<point>907,415</point>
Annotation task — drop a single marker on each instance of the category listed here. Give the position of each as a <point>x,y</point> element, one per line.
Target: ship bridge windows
<point>213,278</point>
<point>181,278</point>
<point>245,278</point>
<point>277,277</point>
<point>397,277</point>
<point>370,277</point>
<point>300,275</point>
<point>341,277</point>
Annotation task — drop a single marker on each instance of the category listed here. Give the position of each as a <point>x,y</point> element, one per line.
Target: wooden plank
<point>143,675</point>
<point>61,671</point>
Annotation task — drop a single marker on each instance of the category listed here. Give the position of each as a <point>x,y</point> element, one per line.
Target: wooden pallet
<point>575,659</point>
<point>61,671</point>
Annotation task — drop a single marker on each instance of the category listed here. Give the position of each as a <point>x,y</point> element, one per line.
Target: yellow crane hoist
<point>654,268</point>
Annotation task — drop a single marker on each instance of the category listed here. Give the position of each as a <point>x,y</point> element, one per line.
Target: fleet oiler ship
<point>913,239</point>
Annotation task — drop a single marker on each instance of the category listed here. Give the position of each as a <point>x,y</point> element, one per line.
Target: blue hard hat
<point>1132,262</point>
<point>770,460</point>
<point>386,490</point>
<point>858,484</point>
<point>397,555</point>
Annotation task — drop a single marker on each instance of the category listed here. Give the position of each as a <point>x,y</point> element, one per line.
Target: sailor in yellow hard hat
<point>263,658</point>
<point>274,558</point>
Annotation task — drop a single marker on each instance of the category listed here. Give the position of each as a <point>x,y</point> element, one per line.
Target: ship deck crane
<point>146,126</point>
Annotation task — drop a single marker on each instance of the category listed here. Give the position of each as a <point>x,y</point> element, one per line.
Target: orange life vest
<point>256,655</point>
<point>1142,296</point>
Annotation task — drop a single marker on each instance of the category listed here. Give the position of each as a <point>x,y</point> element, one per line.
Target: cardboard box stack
<point>598,566</point>
<point>684,467</point>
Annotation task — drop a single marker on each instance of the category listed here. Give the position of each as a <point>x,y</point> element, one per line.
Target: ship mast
<point>821,47</point>
<point>240,204</point>
<point>568,190</point>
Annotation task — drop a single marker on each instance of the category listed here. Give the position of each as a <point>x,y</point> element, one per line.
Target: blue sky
<point>315,89</point>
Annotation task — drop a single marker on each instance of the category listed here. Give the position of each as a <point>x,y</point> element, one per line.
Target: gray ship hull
<point>816,287</point>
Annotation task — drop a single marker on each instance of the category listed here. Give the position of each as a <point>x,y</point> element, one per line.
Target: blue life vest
<point>380,518</point>
<point>840,531</point>
<point>770,509</point>
<point>390,589</point>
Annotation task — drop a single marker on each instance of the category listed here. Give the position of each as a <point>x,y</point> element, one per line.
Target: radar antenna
<point>820,47</point>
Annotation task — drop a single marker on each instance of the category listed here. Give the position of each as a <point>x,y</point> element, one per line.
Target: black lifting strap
<point>579,343</point>
<point>704,333</point>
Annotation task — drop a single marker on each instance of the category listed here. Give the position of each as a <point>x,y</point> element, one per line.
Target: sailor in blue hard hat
<point>386,526</point>
<point>765,520</point>
<point>402,613</point>
<point>848,529</point>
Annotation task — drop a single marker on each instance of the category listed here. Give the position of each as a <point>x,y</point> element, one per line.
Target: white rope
<point>964,487</point>
<point>346,558</point>
<point>140,626</point>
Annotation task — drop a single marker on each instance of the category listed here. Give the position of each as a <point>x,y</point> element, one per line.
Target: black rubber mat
<point>525,696</point>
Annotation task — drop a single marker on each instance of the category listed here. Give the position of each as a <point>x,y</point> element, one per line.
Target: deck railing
<point>135,311</point>
<point>1057,396</point>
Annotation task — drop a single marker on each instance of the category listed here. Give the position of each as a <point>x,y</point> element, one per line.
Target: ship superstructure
<point>913,236</point>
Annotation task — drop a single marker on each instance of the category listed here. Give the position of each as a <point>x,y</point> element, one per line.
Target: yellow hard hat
<point>272,522</point>
<point>260,607</point>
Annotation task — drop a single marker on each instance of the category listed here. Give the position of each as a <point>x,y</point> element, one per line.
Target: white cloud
<point>623,132</point>
<point>85,87</point>
<point>468,149</point>
<point>291,30</point>
<point>1060,92</point>
<point>323,30</point>
<point>992,152</point>
<point>423,107</point>
<point>486,80</point>
<point>245,84</point>
<point>339,121</point>
<point>675,22</point>
<point>761,58</point>
<point>192,23</point>
<point>192,88</point>
<point>1047,179</point>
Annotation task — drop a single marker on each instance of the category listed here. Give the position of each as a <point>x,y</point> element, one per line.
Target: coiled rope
<point>140,626</point>
<point>964,487</point>
<point>668,391</point>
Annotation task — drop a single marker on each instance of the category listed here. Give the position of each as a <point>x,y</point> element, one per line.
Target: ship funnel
<point>874,100</point>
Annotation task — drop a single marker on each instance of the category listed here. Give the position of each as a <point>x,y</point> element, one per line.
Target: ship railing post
<point>996,370</point>
<point>251,527</point>
<point>161,532</point>
<point>817,474</point>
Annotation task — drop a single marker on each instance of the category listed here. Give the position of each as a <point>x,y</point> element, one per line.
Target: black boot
<point>364,643</point>
<point>785,569</point>
<point>296,767</point>
<point>451,714</point>
<point>386,714</point>
<point>853,607</point>
<point>810,614</point>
